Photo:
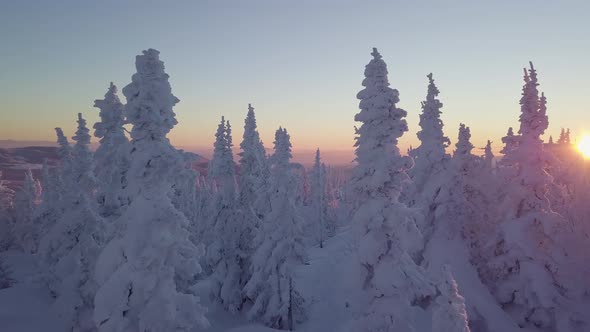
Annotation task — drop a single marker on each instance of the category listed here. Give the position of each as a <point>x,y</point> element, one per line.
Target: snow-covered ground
<point>483,310</point>
<point>26,306</point>
<point>329,283</point>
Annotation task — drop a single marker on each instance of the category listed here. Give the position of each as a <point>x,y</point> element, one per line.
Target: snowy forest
<point>129,237</point>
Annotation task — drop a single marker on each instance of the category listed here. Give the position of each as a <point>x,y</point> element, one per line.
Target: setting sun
<point>584,146</point>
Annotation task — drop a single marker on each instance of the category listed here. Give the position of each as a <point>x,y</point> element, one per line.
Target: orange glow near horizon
<point>584,146</point>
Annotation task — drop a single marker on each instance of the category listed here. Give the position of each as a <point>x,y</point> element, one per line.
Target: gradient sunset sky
<point>300,63</point>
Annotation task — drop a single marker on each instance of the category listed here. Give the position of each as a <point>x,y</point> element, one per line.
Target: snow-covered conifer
<point>561,138</point>
<point>510,141</point>
<point>526,271</point>
<point>6,223</point>
<point>65,154</point>
<point>140,269</point>
<point>70,246</point>
<point>449,315</point>
<point>221,168</point>
<point>6,194</point>
<point>254,171</point>
<point>112,155</point>
<point>232,228</point>
<point>276,301</point>
<point>184,189</point>
<point>83,160</point>
<point>25,231</point>
<point>221,174</point>
<point>50,207</point>
<point>319,202</point>
<point>430,157</point>
<point>392,281</point>
<point>488,157</point>
<point>462,156</point>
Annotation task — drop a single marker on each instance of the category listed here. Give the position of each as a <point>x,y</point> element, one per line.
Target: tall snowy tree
<point>430,157</point>
<point>50,208</point>
<point>488,156</point>
<point>6,194</point>
<point>83,165</point>
<point>65,153</point>
<point>184,189</point>
<point>221,168</point>
<point>431,160</point>
<point>254,171</point>
<point>25,231</point>
<point>393,282</point>
<point>277,303</point>
<point>232,228</point>
<point>112,155</point>
<point>70,247</point>
<point>141,270</point>
<point>462,156</point>
<point>221,174</point>
<point>6,204</point>
<point>319,203</point>
<point>527,272</point>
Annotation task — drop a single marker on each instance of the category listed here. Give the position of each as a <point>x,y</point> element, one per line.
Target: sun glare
<point>584,146</point>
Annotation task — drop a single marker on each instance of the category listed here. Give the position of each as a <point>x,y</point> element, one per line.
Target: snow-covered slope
<point>484,313</point>
<point>25,307</point>
<point>329,282</point>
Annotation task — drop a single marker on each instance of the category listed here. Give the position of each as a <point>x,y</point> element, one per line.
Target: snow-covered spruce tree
<point>319,203</point>
<point>333,196</point>
<point>277,303</point>
<point>528,268</point>
<point>221,175</point>
<point>561,138</point>
<point>488,156</point>
<point>221,167</point>
<point>70,247</point>
<point>65,153</point>
<point>303,188</point>
<point>510,142</point>
<point>254,170</point>
<point>232,227</point>
<point>141,269</point>
<point>462,157</point>
<point>450,314</point>
<point>6,222</point>
<point>50,208</point>
<point>6,194</point>
<point>55,187</point>
<point>25,230</point>
<point>470,192</point>
<point>112,155</point>
<point>393,283</point>
<point>83,165</point>
<point>205,193</point>
<point>430,157</point>
<point>184,188</point>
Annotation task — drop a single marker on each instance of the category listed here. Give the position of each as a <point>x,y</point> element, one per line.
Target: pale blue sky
<point>300,63</point>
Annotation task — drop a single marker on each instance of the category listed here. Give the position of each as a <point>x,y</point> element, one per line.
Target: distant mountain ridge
<point>10,144</point>
<point>14,161</point>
